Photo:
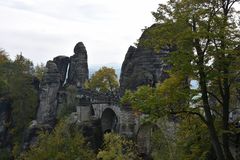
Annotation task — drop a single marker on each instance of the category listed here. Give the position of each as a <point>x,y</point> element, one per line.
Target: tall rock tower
<point>78,71</point>
<point>143,66</point>
<point>49,88</point>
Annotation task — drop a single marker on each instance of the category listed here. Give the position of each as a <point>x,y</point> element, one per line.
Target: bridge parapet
<point>98,97</point>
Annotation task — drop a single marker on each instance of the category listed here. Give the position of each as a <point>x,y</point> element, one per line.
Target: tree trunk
<point>225,118</point>
<point>210,123</point>
<point>211,128</point>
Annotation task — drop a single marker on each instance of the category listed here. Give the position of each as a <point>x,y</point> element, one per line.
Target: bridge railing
<point>99,97</point>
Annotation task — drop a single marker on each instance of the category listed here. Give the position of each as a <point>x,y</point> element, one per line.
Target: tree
<point>205,36</point>
<point>16,87</point>
<point>193,141</point>
<point>104,80</point>
<point>187,140</point>
<point>25,65</point>
<point>117,148</point>
<point>39,70</point>
<point>23,94</point>
<point>64,142</point>
<point>3,56</point>
<point>4,60</point>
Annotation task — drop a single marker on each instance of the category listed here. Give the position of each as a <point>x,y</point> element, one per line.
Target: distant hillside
<point>116,66</point>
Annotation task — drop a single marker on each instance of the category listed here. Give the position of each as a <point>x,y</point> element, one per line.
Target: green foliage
<point>189,140</point>
<point>5,154</point>
<point>193,141</point>
<point>24,103</point>
<point>16,86</point>
<point>24,65</point>
<point>206,37</point>
<point>204,40</point>
<point>163,141</point>
<point>117,148</point>
<point>3,56</point>
<point>104,80</point>
<point>170,97</point>
<point>63,143</point>
<point>39,70</point>
<point>4,61</point>
<point>23,94</point>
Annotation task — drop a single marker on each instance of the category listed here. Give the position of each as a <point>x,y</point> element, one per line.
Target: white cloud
<point>43,29</point>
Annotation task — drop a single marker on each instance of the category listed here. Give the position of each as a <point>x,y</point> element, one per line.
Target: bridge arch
<point>109,121</point>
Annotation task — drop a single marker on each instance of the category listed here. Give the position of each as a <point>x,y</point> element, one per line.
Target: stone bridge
<point>113,117</point>
<point>105,107</point>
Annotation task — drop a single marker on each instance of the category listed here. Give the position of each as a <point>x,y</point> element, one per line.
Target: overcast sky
<point>43,29</point>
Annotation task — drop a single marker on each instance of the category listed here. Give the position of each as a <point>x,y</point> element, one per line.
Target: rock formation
<point>31,134</point>
<point>62,63</point>
<point>49,88</point>
<point>142,66</point>
<point>52,94</point>
<point>78,70</point>
<point>55,77</point>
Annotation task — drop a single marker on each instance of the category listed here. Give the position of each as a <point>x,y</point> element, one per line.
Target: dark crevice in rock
<point>62,63</point>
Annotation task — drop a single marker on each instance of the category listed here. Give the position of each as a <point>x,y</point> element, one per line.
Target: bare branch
<point>190,112</point>
<point>215,96</point>
<point>213,110</point>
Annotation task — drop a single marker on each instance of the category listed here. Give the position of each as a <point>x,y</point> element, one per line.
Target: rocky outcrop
<point>51,93</point>
<point>62,63</point>
<point>49,88</point>
<point>31,134</point>
<point>142,66</point>
<point>78,71</point>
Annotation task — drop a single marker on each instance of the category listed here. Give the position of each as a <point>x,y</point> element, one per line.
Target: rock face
<point>78,71</point>
<point>49,88</point>
<point>53,94</point>
<point>54,78</point>
<point>30,137</point>
<point>142,66</point>
<point>62,63</point>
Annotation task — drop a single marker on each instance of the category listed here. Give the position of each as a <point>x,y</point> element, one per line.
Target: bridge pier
<point>84,113</point>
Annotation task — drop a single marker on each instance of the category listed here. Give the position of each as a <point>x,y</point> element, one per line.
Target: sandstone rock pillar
<point>78,71</point>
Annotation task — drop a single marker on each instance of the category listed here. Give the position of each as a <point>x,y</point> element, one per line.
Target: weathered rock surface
<point>62,63</point>
<point>31,134</point>
<point>49,88</point>
<point>78,71</point>
<point>91,131</point>
<point>142,66</point>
